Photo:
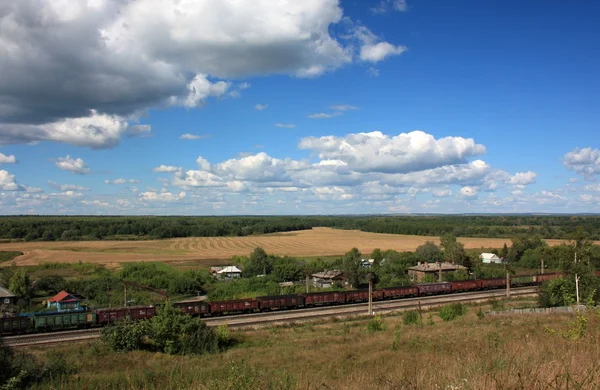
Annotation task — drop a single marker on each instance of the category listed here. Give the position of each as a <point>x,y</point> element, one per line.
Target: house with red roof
<point>64,301</point>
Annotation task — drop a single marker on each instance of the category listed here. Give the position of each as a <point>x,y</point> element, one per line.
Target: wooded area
<point>54,228</point>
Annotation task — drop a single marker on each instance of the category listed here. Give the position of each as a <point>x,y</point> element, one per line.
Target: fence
<point>541,310</point>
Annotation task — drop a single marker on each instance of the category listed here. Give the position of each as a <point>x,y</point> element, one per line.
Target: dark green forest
<point>49,228</point>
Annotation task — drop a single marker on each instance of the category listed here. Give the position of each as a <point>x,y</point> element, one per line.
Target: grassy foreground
<point>494,352</point>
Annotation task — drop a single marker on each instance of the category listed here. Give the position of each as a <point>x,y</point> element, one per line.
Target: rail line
<point>280,317</point>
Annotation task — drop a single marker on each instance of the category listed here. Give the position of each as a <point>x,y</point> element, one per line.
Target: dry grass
<point>216,250</point>
<point>508,352</point>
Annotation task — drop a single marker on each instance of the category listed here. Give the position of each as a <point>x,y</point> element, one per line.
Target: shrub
<point>412,317</point>
<point>452,311</point>
<point>375,324</point>
<point>480,313</point>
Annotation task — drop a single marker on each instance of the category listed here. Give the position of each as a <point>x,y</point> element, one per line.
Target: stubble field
<point>217,250</point>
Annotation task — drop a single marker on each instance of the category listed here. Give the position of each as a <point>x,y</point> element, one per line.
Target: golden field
<point>215,250</point>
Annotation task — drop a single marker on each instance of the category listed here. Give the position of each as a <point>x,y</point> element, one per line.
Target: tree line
<point>61,228</point>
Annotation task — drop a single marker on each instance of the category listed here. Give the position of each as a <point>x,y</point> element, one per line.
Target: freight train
<point>49,321</point>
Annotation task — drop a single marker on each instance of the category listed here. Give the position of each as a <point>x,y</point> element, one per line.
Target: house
<point>7,297</point>
<point>64,301</point>
<point>327,278</point>
<point>419,271</point>
<point>230,272</point>
<point>367,263</point>
<point>489,258</point>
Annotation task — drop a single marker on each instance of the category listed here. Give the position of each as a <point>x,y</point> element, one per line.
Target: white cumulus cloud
<point>167,168</point>
<point>191,137</point>
<point>4,159</point>
<point>75,165</point>
<point>261,107</point>
<point>162,196</point>
<point>121,181</point>
<point>584,161</point>
<point>285,125</point>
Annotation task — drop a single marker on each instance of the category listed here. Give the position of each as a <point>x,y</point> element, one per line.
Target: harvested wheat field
<point>214,250</point>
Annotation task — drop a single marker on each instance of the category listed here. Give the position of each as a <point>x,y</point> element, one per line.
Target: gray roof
<point>328,274</point>
<point>4,293</point>
<point>431,267</point>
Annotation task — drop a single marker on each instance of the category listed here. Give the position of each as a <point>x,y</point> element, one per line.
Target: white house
<point>490,258</point>
<point>230,272</point>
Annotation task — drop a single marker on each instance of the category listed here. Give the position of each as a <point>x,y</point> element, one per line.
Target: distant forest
<point>60,228</point>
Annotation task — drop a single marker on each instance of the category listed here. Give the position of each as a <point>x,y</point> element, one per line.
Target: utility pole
<point>307,285</point>
<point>507,280</point>
<point>440,277</point>
<point>370,277</point>
<point>576,281</point>
<point>124,295</point>
<point>542,266</point>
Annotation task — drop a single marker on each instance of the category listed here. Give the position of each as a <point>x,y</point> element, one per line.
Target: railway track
<point>243,321</point>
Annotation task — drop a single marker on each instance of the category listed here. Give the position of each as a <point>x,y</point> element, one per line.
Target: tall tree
<point>352,266</point>
<point>19,284</point>
<point>258,263</point>
<point>454,251</point>
<point>429,252</point>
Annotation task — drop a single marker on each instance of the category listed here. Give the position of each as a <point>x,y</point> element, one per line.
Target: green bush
<point>480,313</point>
<point>412,317</point>
<point>452,311</point>
<point>376,324</point>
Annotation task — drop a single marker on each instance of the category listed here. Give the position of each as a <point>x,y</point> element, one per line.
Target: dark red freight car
<point>493,283</point>
<point>434,288</point>
<point>106,316</point>
<point>278,302</point>
<point>465,285</point>
<point>363,295</point>
<point>193,307</point>
<point>233,306</point>
<point>141,312</point>
<point>324,298</point>
<point>399,292</point>
<point>545,277</point>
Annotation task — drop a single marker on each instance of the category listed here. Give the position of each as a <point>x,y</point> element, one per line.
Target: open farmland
<point>215,250</point>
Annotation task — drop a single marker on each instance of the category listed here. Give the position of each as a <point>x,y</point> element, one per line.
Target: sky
<point>264,107</point>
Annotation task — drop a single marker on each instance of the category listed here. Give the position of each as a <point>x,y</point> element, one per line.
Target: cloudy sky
<point>206,107</point>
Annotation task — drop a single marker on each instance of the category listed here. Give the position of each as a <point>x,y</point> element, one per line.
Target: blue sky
<point>206,107</point>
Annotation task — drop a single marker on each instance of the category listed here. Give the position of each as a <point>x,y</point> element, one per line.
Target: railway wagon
<point>434,288</point>
<point>465,285</point>
<point>524,280</point>
<point>280,302</point>
<point>540,278</point>
<point>233,306</point>
<point>493,283</point>
<point>324,298</point>
<point>399,292</point>
<point>15,325</point>
<point>63,320</point>
<point>363,295</point>
<point>193,308</point>
<point>106,316</point>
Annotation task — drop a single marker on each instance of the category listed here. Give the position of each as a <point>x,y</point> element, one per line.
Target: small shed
<point>65,301</point>
<point>490,258</point>
<point>327,278</point>
<point>230,272</point>
<point>7,297</point>
<point>419,271</point>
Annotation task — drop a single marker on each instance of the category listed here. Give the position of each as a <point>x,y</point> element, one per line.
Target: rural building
<point>367,263</point>
<point>489,258</point>
<point>7,297</point>
<point>229,272</point>
<point>64,301</point>
<point>419,271</point>
<point>327,278</point>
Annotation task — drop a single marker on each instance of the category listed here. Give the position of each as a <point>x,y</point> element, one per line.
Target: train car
<point>15,325</point>
<point>399,292</point>
<point>279,302</point>
<point>522,280</point>
<point>465,285</point>
<point>324,298</point>
<point>540,278</point>
<point>363,295</point>
<point>434,288</point>
<point>63,320</point>
<point>233,306</point>
<point>493,283</point>
<point>193,307</point>
<point>107,316</point>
